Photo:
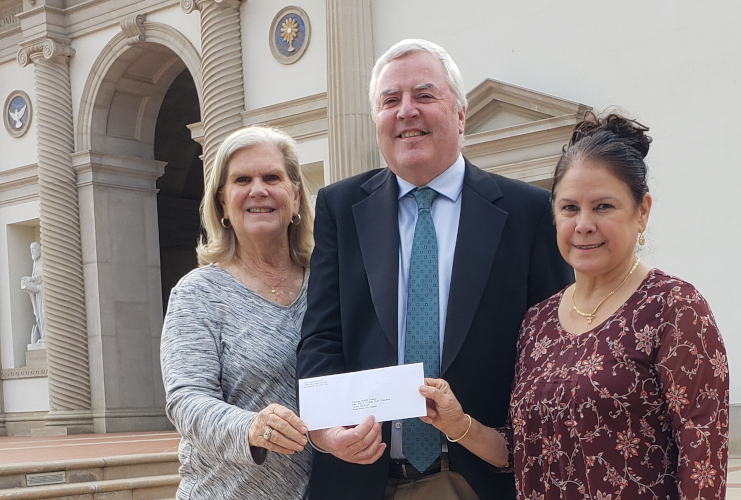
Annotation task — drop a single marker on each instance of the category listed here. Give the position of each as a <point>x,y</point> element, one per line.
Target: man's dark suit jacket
<point>505,261</point>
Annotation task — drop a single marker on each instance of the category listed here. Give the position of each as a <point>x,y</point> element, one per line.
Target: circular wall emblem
<point>17,113</point>
<point>289,34</point>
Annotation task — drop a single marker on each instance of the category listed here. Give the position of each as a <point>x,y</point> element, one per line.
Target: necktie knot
<point>424,197</point>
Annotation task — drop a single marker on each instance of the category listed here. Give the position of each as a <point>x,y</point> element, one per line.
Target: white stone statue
<point>34,286</point>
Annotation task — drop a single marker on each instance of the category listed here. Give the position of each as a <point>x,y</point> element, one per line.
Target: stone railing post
<point>64,288</point>
<point>223,79</point>
<point>352,139</point>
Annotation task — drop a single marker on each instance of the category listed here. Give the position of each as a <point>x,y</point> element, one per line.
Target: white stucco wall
<point>673,65</point>
<point>30,394</point>
<point>266,80</point>
<point>21,151</point>
<point>187,24</point>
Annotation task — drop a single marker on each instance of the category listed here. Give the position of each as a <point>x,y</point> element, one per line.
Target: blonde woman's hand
<point>288,430</point>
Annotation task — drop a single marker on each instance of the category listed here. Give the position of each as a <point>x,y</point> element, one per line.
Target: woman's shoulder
<point>210,275</point>
<point>671,293</point>
<point>660,282</point>
<point>545,308</point>
<point>204,283</point>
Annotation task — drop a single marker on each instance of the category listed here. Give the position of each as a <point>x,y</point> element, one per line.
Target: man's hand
<point>358,445</point>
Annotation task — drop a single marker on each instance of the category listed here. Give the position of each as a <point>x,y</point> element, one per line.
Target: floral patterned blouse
<point>635,408</point>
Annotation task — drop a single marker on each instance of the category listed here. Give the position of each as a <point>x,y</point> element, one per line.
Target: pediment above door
<point>517,132</point>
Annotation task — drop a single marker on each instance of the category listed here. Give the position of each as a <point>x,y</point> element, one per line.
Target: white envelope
<point>386,393</point>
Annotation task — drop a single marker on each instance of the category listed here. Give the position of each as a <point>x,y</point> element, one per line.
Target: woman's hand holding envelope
<point>445,413</point>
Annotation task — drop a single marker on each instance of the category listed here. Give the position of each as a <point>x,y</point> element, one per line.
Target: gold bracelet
<point>464,434</point>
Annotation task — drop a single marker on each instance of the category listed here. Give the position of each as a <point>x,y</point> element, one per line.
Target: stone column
<point>120,245</point>
<point>352,133</point>
<point>223,79</point>
<point>64,291</point>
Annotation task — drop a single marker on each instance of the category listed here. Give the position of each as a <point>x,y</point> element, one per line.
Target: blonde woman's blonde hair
<point>220,243</point>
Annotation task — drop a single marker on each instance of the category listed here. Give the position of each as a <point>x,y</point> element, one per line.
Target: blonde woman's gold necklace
<point>273,288</point>
<point>590,316</point>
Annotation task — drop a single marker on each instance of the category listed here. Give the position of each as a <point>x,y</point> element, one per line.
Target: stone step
<point>87,470</point>
<point>161,487</point>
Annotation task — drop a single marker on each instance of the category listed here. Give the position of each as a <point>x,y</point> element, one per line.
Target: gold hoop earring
<point>296,222</point>
<point>226,223</point>
<point>641,239</point>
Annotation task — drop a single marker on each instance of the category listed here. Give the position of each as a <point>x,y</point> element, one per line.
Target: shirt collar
<point>448,184</point>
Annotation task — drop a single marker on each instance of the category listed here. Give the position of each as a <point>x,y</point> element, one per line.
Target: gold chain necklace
<point>273,288</point>
<point>590,316</point>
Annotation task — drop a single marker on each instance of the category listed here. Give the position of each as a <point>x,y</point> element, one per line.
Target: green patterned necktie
<point>421,441</point>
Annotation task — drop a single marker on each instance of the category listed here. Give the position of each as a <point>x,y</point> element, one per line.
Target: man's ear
<point>462,121</point>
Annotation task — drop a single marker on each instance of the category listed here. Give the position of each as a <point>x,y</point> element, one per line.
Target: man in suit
<point>494,256</point>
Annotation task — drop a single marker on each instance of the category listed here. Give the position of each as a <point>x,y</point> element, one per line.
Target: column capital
<point>190,5</point>
<point>46,48</point>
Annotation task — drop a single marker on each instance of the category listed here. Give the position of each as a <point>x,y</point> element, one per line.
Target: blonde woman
<point>232,325</point>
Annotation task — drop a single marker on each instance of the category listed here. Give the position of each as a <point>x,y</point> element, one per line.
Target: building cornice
<point>304,118</point>
<point>9,42</point>
<point>97,15</point>
<point>19,185</point>
<point>23,372</point>
<point>103,169</point>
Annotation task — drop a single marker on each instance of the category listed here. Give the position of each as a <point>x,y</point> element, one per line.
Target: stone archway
<point>180,189</point>
<point>118,166</point>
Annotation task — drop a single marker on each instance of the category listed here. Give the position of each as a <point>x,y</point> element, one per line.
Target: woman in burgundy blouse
<point>621,385</point>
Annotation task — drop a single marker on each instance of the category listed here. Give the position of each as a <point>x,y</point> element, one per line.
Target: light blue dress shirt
<point>446,213</point>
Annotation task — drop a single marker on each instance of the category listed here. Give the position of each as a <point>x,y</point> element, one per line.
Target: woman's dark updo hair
<point>618,143</point>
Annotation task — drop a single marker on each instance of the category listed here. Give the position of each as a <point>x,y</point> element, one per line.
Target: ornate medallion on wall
<point>17,113</point>
<point>289,34</point>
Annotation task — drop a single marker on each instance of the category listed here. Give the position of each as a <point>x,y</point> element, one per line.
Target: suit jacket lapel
<point>377,223</point>
<point>479,230</point>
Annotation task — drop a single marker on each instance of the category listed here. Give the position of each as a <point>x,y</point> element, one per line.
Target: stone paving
<point>14,450</point>
<point>733,491</point>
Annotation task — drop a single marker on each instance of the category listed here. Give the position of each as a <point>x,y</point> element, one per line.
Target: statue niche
<point>33,285</point>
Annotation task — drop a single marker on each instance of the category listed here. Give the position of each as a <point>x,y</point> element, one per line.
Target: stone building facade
<point>129,100</point>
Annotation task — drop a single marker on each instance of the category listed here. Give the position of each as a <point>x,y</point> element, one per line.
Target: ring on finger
<point>268,432</point>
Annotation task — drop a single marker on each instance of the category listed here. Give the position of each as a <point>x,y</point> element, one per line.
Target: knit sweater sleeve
<point>191,352</point>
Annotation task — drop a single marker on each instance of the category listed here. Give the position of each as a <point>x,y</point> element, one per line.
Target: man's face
<point>417,128</point>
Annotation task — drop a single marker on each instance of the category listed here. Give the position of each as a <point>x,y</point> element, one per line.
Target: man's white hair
<point>404,47</point>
